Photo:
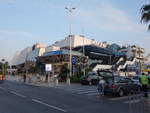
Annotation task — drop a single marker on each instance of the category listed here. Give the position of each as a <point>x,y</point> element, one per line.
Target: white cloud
<point>8,1</point>
<point>11,1</point>
<point>110,19</point>
<point>10,41</point>
<point>107,17</point>
<point>15,34</point>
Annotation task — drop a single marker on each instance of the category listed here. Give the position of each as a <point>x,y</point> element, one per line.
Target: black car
<point>119,85</point>
<point>90,79</point>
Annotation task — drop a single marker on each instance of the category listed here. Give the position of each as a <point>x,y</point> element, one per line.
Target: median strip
<point>118,98</point>
<point>51,106</point>
<point>18,94</point>
<point>132,101</point>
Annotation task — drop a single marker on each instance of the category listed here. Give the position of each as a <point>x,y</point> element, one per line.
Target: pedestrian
<point>101,84</point>
<point>46,78</point>
<point>24,77</point>
<point>144,80</point>
<point>98,72</point>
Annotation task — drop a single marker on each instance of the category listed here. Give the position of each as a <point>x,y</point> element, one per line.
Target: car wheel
<point>121,93</point>
<point>139,89</point>
<point>81,83</point>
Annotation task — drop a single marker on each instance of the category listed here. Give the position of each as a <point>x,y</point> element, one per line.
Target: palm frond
<point>145,14</point>
<point>145,8</point>
<point>145,17</point>
<point>149,28</point>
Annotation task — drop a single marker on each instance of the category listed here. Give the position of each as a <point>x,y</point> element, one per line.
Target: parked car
<point>90,79</point>
<point>119,85</point>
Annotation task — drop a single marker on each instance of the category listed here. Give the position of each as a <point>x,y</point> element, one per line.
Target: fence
<point>138,103</point>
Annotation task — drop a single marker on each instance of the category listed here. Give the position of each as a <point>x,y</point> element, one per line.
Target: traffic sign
<point>73,60</point>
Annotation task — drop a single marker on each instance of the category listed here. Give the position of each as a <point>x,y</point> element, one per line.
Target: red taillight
<point>88,79</point>
<point>113,86</point>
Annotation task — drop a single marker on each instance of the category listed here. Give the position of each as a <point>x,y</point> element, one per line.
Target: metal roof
<point>62,52</point>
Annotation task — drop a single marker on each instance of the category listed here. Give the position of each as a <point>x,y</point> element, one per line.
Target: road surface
<point>22,98</point>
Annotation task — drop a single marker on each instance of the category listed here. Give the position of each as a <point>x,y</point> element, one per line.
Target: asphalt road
<point>22,98</point>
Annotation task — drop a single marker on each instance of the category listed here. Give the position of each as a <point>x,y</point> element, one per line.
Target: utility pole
<point>26,62</point>
<point>140,59</point>
<point>83,56</point>
<point>3,67</point>
<point>70,10</point>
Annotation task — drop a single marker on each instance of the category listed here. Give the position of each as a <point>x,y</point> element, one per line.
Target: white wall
<point>41,51</point>
<point>52,48</point>
<point>22,56</point>
<point>77,40</point>
<point>32,55</point>
<point>28,55</point>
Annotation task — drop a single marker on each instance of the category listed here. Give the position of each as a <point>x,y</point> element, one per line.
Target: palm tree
<point>145,11</point>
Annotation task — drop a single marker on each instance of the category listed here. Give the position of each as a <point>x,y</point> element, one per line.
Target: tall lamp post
<point>3,66</point>
<point>84,57</point>
<point>70,10</point>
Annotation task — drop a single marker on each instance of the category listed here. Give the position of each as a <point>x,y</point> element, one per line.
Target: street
<point>23,98</point>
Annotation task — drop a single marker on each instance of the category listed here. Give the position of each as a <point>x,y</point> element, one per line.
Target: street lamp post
<point>3,66</point>
<point>83,57</point>
<point>70,10</point>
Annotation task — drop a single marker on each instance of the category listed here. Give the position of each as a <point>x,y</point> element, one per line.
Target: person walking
<point>24,77</point>
<point>46,78</point>
<point>101,84</point>
<point>144,80</point>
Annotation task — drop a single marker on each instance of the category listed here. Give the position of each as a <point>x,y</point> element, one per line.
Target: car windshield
<point>105,74</point>
<point>92,73</point>
<point>109,79</point>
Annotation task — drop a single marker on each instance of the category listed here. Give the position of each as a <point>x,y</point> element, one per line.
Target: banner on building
<point>48,67</point>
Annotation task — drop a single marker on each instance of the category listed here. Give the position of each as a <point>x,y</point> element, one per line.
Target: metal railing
<point>138,103</point>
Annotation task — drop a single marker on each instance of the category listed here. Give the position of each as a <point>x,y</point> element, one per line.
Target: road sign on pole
<point>48,67</point>
<point>73,60</point>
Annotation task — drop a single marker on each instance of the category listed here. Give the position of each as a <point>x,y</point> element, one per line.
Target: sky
<point>26,22</point>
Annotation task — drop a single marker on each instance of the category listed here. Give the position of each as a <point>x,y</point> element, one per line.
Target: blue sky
<point>25,22</point>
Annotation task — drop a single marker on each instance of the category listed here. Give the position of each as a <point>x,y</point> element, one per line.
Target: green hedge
<point>75,79</point>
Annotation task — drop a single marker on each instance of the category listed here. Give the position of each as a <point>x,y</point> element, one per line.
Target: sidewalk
<point>38,82</point>
<point>34,81</point>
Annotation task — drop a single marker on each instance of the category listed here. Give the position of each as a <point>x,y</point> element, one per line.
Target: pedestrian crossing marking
<point>85,92</point>
<point>90,91</point>
<point>93,94</point>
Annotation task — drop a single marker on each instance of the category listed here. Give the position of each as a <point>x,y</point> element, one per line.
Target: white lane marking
<point>79,89</point>
<point>75,89</point>
<point>118,98</point>
<point>2,88</point>
<point>132,101</point>
<point>93,94</point>
<point>84,92</point>
<point>51,106</point>
<point>18,94</point>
